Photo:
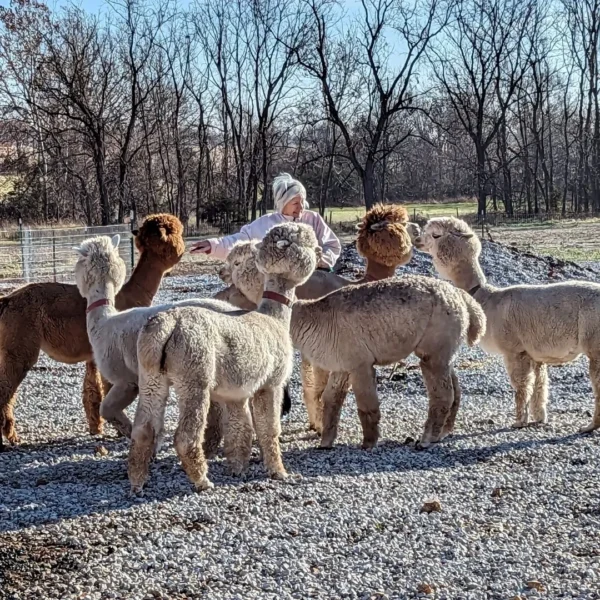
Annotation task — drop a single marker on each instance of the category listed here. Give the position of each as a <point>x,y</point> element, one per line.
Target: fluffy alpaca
<point>383,241</point>
<point>51,317</point>
<point>210,356</point>
<point>529,325</point>
<point>351,330</point>
<point>99,273</point>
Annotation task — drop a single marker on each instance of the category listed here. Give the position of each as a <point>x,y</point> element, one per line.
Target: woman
<point>290,205</point>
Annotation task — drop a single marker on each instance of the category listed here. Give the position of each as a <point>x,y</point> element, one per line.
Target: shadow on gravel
<point>34,495</point>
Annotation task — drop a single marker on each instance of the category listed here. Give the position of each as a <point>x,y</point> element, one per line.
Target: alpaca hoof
<point>279,475</point>
<point>325,445</point>
<point>519,424</point>
<point>423,445</point>
<point>13,439</point>
<point>237,468</point>
<point>203,485</point>
<point>589,428</point>
<point>136,491</point>
<point>96,430</point>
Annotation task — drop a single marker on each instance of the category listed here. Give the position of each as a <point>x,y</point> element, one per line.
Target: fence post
<point>22,246</point>
<point>54,254</point>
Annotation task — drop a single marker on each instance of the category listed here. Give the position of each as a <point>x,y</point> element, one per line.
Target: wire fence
<point>33,255</point>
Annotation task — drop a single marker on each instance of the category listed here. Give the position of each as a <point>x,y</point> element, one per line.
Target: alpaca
<point>531,326</point>
<point>383,240</point>
<point>209,356</point>
<point>51,317</point>
<point>351,330</point>
<point>99,273</point>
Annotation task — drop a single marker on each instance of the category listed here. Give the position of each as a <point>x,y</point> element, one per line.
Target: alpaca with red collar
<point>100,273</point>
<point>208,356</point>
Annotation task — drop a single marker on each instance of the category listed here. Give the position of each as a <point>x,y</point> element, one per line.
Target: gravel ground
<point>515,513</point>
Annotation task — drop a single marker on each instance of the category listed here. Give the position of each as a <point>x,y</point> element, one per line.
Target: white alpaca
<point>529,325</point>
<point>99,274</point>
<point>211,356</point>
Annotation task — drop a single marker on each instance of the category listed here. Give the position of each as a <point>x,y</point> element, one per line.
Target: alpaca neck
<point>376,271</point>
<point>101,305</point>
<point>464,274</point>
<point>278,286</point>
<point>143,283</point>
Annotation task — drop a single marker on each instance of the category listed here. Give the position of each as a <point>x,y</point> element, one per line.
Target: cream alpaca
<point>529,325</point>
<point>351,330</point>
<point>99,274</point>
<point>210,356</point>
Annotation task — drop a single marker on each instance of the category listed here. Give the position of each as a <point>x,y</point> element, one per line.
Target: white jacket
<point>330,244</point>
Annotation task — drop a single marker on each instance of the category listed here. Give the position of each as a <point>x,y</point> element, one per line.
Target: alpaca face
<point>290,250</point>
<point>99,266</point>
<point>244,274</point>
<point>450,242</point>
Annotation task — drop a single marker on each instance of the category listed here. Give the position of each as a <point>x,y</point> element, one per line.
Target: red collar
<point>101,302</point>
<point>278,298</point>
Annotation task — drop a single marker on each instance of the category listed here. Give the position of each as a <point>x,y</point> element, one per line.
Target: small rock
<point>536,585</point>
<point>432,505</point>
<point>424,588</point>
<point>497,493</point>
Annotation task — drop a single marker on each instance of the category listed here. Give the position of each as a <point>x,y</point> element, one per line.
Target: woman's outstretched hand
<point>202,247</point>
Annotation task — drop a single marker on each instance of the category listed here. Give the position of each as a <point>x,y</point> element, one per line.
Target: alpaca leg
<point>333,399</point>
<point>238,436</point>
<point>286,405</point>
<point>520,370</point>
<point>93,393</point>
<point>595,378</point>
<point>13,368</point>
<point>214,429</point>
<point>266,409</point>
<point>440,390</point>
<point>448,428</point>
<point>194,404</point>
<point>314,381</point>
<point>539,398</point>
<point>118,398</point>
<point>147,425</point>
<point>364,384</point>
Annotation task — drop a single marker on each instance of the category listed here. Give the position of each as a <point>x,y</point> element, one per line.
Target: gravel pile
<point>492,513</point>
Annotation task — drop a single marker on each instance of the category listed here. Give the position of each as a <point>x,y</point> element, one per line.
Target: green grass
<point>574,254</point>
<point>425,209</point>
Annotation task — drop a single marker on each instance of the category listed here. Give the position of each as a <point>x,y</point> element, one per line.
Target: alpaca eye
<point>435,236</point>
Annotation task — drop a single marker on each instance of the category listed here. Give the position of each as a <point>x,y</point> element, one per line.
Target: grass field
<point>430,209</point>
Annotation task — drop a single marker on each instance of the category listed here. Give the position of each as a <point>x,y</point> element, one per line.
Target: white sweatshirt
<point>330,244</point>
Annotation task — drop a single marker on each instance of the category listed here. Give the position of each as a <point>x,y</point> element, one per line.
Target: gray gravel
<point>520,510</point>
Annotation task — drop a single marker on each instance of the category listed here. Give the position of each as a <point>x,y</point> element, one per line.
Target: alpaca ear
<point>135,232</point>
<point>467,236</point>
<point>283,243</point>
<point>81,251</point>
<point>115,240</point>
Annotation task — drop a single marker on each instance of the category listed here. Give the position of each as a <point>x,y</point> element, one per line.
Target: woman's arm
<point>329,242</point>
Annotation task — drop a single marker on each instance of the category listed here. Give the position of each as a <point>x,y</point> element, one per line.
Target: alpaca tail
<point>153,341</point>
<point>477,320</point>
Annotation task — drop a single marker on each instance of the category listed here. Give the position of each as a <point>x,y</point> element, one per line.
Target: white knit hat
<point>285,189</point>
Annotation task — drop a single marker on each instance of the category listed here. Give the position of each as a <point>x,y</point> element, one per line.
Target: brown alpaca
<point>385,244</point>
<point>52,317</point>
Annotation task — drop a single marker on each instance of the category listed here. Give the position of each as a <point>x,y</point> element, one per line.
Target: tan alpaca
<point>529,325</point>
<point>51,317</point>
<point>384,242</point>
<point>208,356</point>
<point>351,330</point>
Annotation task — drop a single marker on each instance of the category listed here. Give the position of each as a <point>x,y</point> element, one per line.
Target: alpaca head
<point>161,238</point>
<point>451,243</point>
<point>290,250</point>
<point>383,236</point>
<point>99,267</point>
<point>241,270</point>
